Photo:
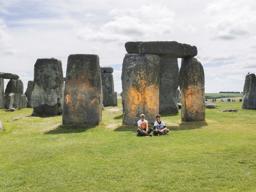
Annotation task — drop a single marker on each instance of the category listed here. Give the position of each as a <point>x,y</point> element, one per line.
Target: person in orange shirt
<point>143,128</point>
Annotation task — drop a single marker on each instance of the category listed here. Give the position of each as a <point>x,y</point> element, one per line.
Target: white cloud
<point>230,19</point>
<point>143,23</point>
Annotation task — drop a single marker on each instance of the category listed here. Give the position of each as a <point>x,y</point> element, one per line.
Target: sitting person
<point>143,129</point>
<point>160,127</point>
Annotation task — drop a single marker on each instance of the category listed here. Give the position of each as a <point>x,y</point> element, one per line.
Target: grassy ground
<point>36,154</point>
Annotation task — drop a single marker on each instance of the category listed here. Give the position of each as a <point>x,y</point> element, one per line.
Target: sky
<point>224,32</point>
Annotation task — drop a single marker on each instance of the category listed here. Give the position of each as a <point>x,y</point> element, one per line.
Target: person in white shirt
<point>143,128</point>
<point>160,127</point>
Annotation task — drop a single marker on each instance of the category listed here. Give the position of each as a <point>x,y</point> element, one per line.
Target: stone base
<point>47,111</point>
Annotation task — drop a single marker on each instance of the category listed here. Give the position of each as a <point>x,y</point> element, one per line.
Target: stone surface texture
<point>192,85</point>
<point>47,94</point>
<point>169,82</point>
<point>28,93</point>
<point>109,96</point>
<point>83,91</point>
<point>249,92</point>
<point>140,82</point>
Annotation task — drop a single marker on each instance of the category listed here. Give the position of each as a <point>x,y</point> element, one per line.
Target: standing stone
<point>169,82</point>
<point>115,102</point>
<point>1,93</point>
<point>140,82</point>
<point>83,91</point>
<point>13,92</point>
<point>249,93</point>
<point>23,101</point>
<point>109,96</point>
<point>192,90</point>
<point>47,94</point>
<point>28,93</point>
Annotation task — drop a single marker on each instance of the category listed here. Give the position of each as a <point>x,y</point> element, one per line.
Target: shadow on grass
<point>64,129</point>
<point>119,117</point>
<point>179,127</point>
<point>126,128</point>
<point>188,126</point>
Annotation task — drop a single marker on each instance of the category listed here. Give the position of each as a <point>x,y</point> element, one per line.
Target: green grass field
<point>37,154</point>
<point>223,95</point>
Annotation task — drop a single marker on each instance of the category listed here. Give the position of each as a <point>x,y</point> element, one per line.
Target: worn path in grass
<point>37,154</point>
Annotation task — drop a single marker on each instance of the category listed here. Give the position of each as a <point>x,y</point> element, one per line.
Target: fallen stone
<point>83,91</point>
<point>47,93</point>
<point>171,48</point>
<point>210,105</point>
<point>230,110</point>
<point>169,81</point>
<point>140,82</point>
<point>192,88</point>
<point>1,93</point>
<point>28,93</point>
<point>9,76</point>
<point>249,92</point>
<point>109,96</point>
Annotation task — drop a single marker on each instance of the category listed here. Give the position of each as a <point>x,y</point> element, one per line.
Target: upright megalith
<point>140,82</point>
<point>1,93</point>
<point>14,93</point>
<point>83,91</point>
<point>249,92</point>
<point>109,95</point>
<point>169,82</point>
<point>192,86</point>
<point>28,93</point>
<point>47,93</point>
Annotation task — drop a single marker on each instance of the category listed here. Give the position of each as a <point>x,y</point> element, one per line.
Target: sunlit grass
<point>37,154</point>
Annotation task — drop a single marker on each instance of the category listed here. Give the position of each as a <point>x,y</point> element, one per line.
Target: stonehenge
<point>249,92</point>
<point>152,83</point>
<point>83,91</point>
<point>109,95</point>
<point>140,82</point>
<point>168,52</point>
<point>192,90</point>
<point>47,93</point>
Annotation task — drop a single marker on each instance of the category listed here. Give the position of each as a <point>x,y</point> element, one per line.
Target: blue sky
<point>223,30</point>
